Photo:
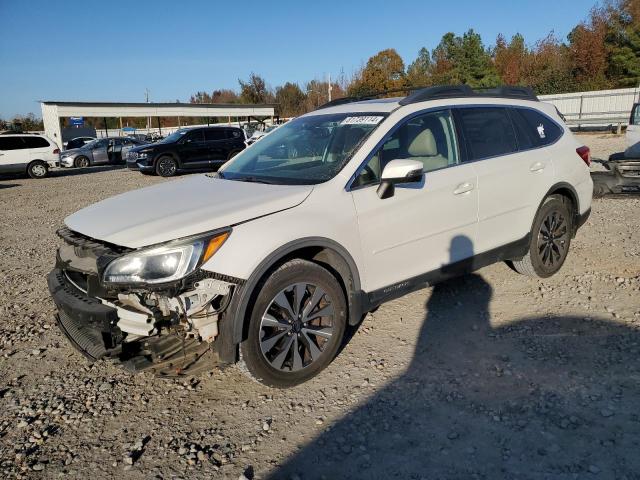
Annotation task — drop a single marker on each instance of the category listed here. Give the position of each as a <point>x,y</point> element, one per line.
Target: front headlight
<point>163,264</point>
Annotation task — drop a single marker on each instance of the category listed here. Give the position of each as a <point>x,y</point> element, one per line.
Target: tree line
<point>602,51</point>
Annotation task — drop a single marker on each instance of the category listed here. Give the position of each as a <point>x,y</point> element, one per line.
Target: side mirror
<point>399,171</point>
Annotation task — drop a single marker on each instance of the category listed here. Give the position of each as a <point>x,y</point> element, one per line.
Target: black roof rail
<point>369,96</point>
<point>464,91</point>
<point>422,94</point>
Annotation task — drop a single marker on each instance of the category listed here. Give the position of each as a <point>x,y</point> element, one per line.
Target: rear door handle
<point>463,188</point>
<point>537,167</point>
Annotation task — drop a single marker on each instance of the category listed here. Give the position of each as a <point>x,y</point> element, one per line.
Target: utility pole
<point>330,87</point>
<point>146,95</point>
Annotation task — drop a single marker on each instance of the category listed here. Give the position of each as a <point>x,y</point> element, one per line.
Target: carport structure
<point>52,112</point>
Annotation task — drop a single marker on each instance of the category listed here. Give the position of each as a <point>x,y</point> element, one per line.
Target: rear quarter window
<point>35,142</point>
<point>534,129</point>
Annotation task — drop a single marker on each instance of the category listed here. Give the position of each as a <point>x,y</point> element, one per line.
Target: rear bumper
<point>582,218</point>
<point>86,322</point>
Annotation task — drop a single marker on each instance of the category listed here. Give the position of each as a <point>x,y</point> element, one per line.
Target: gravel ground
<point>490,376</point>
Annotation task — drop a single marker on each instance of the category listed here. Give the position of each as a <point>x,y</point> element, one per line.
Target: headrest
<point>424,145</point>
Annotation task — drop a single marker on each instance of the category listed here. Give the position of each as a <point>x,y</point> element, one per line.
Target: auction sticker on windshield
<point>362,120</point>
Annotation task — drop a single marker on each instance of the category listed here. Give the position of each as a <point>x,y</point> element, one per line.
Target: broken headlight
<point>166,263</point>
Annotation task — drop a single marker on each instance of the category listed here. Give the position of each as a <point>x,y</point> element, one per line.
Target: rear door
<point>13,154</point>
<point>513,173</point>
<point>218,145</point>
<point>193,150</point>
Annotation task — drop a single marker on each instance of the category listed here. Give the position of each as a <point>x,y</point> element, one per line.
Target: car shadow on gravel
<point>72,172</point>
<point>542,397</point>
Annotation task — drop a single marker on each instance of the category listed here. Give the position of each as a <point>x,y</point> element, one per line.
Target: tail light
<point>585,154</point>
<point>56,151</point>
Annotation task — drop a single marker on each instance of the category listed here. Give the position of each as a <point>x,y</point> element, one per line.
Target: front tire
<point>166,166</point>
<point>82,162</point>
<point>37,169</point>
<point>296,326</point>
<point>550,239</point>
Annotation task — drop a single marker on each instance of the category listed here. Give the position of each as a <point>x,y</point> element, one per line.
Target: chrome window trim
<point>349,185</point>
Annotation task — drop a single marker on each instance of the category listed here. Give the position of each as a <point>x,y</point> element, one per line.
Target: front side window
<point>428,138</point>
<point>305,151</point>
<point>195,136</point>
<point>488,132</point>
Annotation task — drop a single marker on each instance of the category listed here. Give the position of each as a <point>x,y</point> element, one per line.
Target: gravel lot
<point>490,376</point>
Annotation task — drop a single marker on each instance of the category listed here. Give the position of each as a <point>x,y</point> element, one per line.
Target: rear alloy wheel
<point>37,169</point>
<point>550,239</point>
<point>166,167</point>
<point>82,162</point>
<point>296,326</point>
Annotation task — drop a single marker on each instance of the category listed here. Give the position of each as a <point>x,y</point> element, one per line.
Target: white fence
<point>596,108</point>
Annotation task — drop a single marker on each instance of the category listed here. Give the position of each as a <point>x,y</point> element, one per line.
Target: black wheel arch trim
<point>240,302</point>
<point>578,219</point>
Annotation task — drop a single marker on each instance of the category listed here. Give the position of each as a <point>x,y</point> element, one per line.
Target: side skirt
<point>510,251</point>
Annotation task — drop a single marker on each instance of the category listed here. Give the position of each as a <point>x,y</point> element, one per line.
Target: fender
<point>240,302</point>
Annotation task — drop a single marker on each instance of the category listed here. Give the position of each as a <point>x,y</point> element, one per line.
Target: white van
<point>28,153</point>
<point>268,260</point>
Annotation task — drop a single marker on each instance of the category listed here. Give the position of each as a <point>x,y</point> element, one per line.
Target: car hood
<point>181,208</point>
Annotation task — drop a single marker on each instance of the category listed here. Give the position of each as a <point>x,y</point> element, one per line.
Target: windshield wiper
<point>253,180</point>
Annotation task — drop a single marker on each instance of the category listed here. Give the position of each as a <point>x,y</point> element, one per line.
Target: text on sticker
<point>361,120</point>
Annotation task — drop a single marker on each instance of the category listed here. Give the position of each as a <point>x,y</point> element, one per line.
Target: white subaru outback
<point>269,260</point>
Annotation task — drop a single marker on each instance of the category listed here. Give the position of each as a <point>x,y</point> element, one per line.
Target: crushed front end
<point>169,328</point>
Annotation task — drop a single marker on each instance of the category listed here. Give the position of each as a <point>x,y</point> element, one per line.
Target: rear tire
<point>166,166</point>
<point>37,169</point>
<point>550,239</point>
<point>296,325</point>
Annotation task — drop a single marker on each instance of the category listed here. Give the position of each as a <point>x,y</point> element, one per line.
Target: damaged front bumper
<point>169,330</point>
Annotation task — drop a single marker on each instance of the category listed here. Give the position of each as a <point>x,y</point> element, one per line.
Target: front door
<point>100,152</point>
<point>194,151</point>
<point>421,228</point>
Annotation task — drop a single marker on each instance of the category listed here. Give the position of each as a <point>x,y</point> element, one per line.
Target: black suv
<point>192,148</point>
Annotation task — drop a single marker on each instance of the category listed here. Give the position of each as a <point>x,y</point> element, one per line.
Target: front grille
<point>88,246</point>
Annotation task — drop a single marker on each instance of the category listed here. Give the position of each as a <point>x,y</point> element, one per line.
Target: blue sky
<point>113,50</point>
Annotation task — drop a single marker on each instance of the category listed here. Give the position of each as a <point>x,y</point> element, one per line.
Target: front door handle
<point>465,187</point>
<point>537,167</point>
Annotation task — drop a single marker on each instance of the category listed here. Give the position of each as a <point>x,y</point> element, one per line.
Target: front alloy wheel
<point>166,167</point>
<point>296,326</point>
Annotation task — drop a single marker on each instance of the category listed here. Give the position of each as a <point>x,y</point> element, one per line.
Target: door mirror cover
<point>399,171</point>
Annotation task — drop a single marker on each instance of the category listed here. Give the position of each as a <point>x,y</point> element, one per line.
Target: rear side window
<point>534,129</point>
<point>35,142</point>
<point>488,132</point>
<point>215,134</point>
<point>12,143</point>
<point>195,136</point>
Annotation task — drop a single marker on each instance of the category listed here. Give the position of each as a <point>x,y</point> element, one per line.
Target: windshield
<point>307,150</point>
<point>175,136</point>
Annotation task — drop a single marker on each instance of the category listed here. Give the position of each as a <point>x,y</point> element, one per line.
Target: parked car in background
<point>128,144</point>
<point>188,148</point>
<point>103,151</point>
<point>27,154</point>
<point>258,134</point>
<point>78,142</point>
<point>268,261</point>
